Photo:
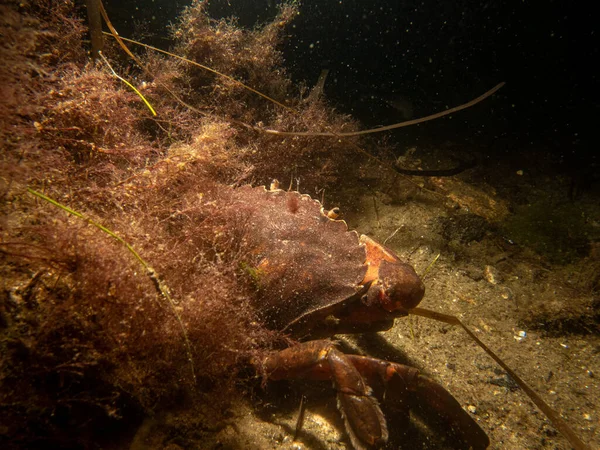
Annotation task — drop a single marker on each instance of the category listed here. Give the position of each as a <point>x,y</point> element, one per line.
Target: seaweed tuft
<point>87,340</point>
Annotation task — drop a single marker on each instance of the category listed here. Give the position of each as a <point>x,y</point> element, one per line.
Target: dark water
<point>435,55</point>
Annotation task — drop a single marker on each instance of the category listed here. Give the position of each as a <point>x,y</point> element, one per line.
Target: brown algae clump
<point>88,343</point>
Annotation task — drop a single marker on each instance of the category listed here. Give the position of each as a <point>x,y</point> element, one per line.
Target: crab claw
<point>405,383</point>
<point>445,405</point>
<point>364,420</point>
<point>396,287</point>
<point>401,286</point>
<point>321,360</point>
<point>352,376</point>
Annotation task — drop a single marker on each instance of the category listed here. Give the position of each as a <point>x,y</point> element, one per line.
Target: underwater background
<point>435,55</point>
<point>130,309</point>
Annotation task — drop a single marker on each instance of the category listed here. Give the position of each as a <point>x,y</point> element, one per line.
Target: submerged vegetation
<point>87,341</point>
<point>89,347</point>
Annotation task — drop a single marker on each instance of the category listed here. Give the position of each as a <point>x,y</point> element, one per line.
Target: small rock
<point>491,274</point>
<point>472,409</point>
<point>506,294</point>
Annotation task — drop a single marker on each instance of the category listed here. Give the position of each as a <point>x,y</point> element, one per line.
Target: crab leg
<point>352,376</point>
<point>400,380</point>
<point>321,360</point>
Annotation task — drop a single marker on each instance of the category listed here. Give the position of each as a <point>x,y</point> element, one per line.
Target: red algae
<point>87,341</point>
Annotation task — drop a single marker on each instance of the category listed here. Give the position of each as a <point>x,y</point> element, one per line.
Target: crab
<point>315,279</point>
